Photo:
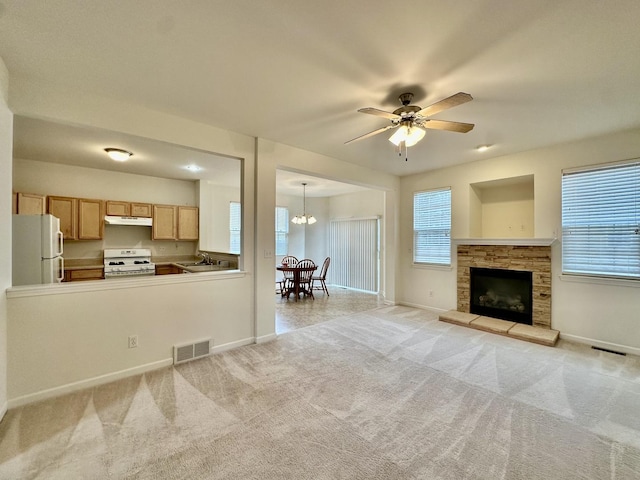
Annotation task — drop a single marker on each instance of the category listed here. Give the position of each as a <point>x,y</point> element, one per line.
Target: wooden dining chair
<point>321,277</point>
<point>305,277</point>
<point>287,277</point>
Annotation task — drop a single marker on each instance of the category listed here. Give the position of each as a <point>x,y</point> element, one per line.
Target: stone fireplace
<point>517,260</point>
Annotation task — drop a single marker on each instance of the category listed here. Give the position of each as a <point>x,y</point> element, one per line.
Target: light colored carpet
<point>391,393</point>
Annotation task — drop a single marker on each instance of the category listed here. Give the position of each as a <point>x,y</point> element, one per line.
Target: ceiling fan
<point>411,120</point>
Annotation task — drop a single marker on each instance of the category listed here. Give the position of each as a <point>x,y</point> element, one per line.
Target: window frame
<point>420,258</point>
<point>284,232</point>
<point>585,259</point>
<point>235,234</point>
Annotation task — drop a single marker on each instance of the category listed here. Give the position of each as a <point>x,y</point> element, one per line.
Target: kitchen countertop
<point>83,263</point>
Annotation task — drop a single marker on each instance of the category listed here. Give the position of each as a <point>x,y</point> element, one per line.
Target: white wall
<point>598,313</point>
<point>6,149</point>
<point>214,216</point>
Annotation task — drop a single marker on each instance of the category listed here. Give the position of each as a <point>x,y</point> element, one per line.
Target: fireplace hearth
<point>500,293</point>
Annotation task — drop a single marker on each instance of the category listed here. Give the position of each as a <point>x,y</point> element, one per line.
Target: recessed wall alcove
<point>502,208</point>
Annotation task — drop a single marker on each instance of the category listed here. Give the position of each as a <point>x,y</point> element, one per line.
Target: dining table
<point>295,287</point>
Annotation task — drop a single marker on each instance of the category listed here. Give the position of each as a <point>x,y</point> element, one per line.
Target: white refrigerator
<point>37,250</point>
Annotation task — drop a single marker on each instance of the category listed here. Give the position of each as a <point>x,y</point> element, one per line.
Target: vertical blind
<point>235,225</point>
<point>282,230</point>
<point>601,221</point>
<point>353,248</point>
<point>432,227</point>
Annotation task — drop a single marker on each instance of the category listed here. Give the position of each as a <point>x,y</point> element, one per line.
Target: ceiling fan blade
<point>379,113</point>
<point>449,102</point>
<point>371,134</point>
<point>445,125</point>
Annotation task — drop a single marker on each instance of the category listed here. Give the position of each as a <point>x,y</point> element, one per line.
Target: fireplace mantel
<point>525,242</point>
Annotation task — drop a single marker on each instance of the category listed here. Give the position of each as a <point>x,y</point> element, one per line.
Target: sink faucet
<point>206,260</point>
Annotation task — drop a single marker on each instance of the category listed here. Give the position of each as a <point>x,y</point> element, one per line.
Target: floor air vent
<point>191,351</point>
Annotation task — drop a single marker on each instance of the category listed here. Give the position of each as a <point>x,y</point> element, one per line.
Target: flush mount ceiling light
<point>483,148</point>
<point>118,154</point>
<point>193,168</point>
<point>304,218</point>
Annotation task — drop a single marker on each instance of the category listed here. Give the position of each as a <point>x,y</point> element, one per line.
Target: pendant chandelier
<point>304,218</point>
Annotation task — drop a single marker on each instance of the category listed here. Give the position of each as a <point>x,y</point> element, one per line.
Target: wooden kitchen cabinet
<point>188,223</point>
<point>90,219</point>
<point>76,275</point>
<point>118,209</point>
<point>167,270</point>
<point>171,222</point>
<point>141,210</point>
<point>30,204</point>
<point>80,218</point>
<point>128,209</point>
<point>165,222</point>
<point>66,209</point>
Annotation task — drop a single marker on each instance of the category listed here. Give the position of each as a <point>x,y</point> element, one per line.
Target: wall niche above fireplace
<point>502,208</point>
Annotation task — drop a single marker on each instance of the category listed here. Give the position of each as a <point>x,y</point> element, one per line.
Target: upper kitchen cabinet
<point>141,210</point>
<point>188,223</point>
<point>30,204</point>
<point>165,220</point>
<point>90,219</point>
<point>80,218</point>
<point>66,209</point>
<point>128,209</point>
<point>171,222</point>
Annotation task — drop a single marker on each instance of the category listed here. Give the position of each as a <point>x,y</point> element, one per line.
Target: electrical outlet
<point>431,293</point>
<point>133,341</point>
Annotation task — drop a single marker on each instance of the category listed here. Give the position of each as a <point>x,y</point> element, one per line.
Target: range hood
<point>136,221</point>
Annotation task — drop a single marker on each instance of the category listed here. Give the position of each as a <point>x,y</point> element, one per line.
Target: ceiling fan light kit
<point>412,120</point>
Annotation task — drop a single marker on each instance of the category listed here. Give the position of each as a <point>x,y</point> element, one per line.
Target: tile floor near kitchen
<point>291,315</point>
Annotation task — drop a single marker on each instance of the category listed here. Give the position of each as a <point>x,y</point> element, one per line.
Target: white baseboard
<point>111,377</point>
<point>422,307</point>
<point>597,343</point>
<point>266,338</point>
<point>87,383</point>
<point>232,345</point>
<point>3,410</point>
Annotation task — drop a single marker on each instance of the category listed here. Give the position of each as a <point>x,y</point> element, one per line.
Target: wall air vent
<point>191,351</point>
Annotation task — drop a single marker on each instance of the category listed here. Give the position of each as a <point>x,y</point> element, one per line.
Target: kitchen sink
<point>202,268</point>
<point>197,267</point>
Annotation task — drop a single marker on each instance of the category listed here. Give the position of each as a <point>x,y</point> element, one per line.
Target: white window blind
<point>601,221</point>
<point>354,252</point>
<point>235,226</point>
<point>432,227</point>
<point>282,230</point>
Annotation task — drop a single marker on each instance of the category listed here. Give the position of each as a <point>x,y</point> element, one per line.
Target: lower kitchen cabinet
<point>80,274</point>
<point>167,270</point>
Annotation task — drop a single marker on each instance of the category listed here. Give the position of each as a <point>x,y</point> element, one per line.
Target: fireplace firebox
<point>500,293</point>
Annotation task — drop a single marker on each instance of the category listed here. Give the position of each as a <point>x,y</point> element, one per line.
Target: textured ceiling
<point>541,72</point>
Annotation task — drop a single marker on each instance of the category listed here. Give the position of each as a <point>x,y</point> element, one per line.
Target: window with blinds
<point>601,221</point>
<point>235,226</point>
<point>432,227</point>
<point>282,230</point>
